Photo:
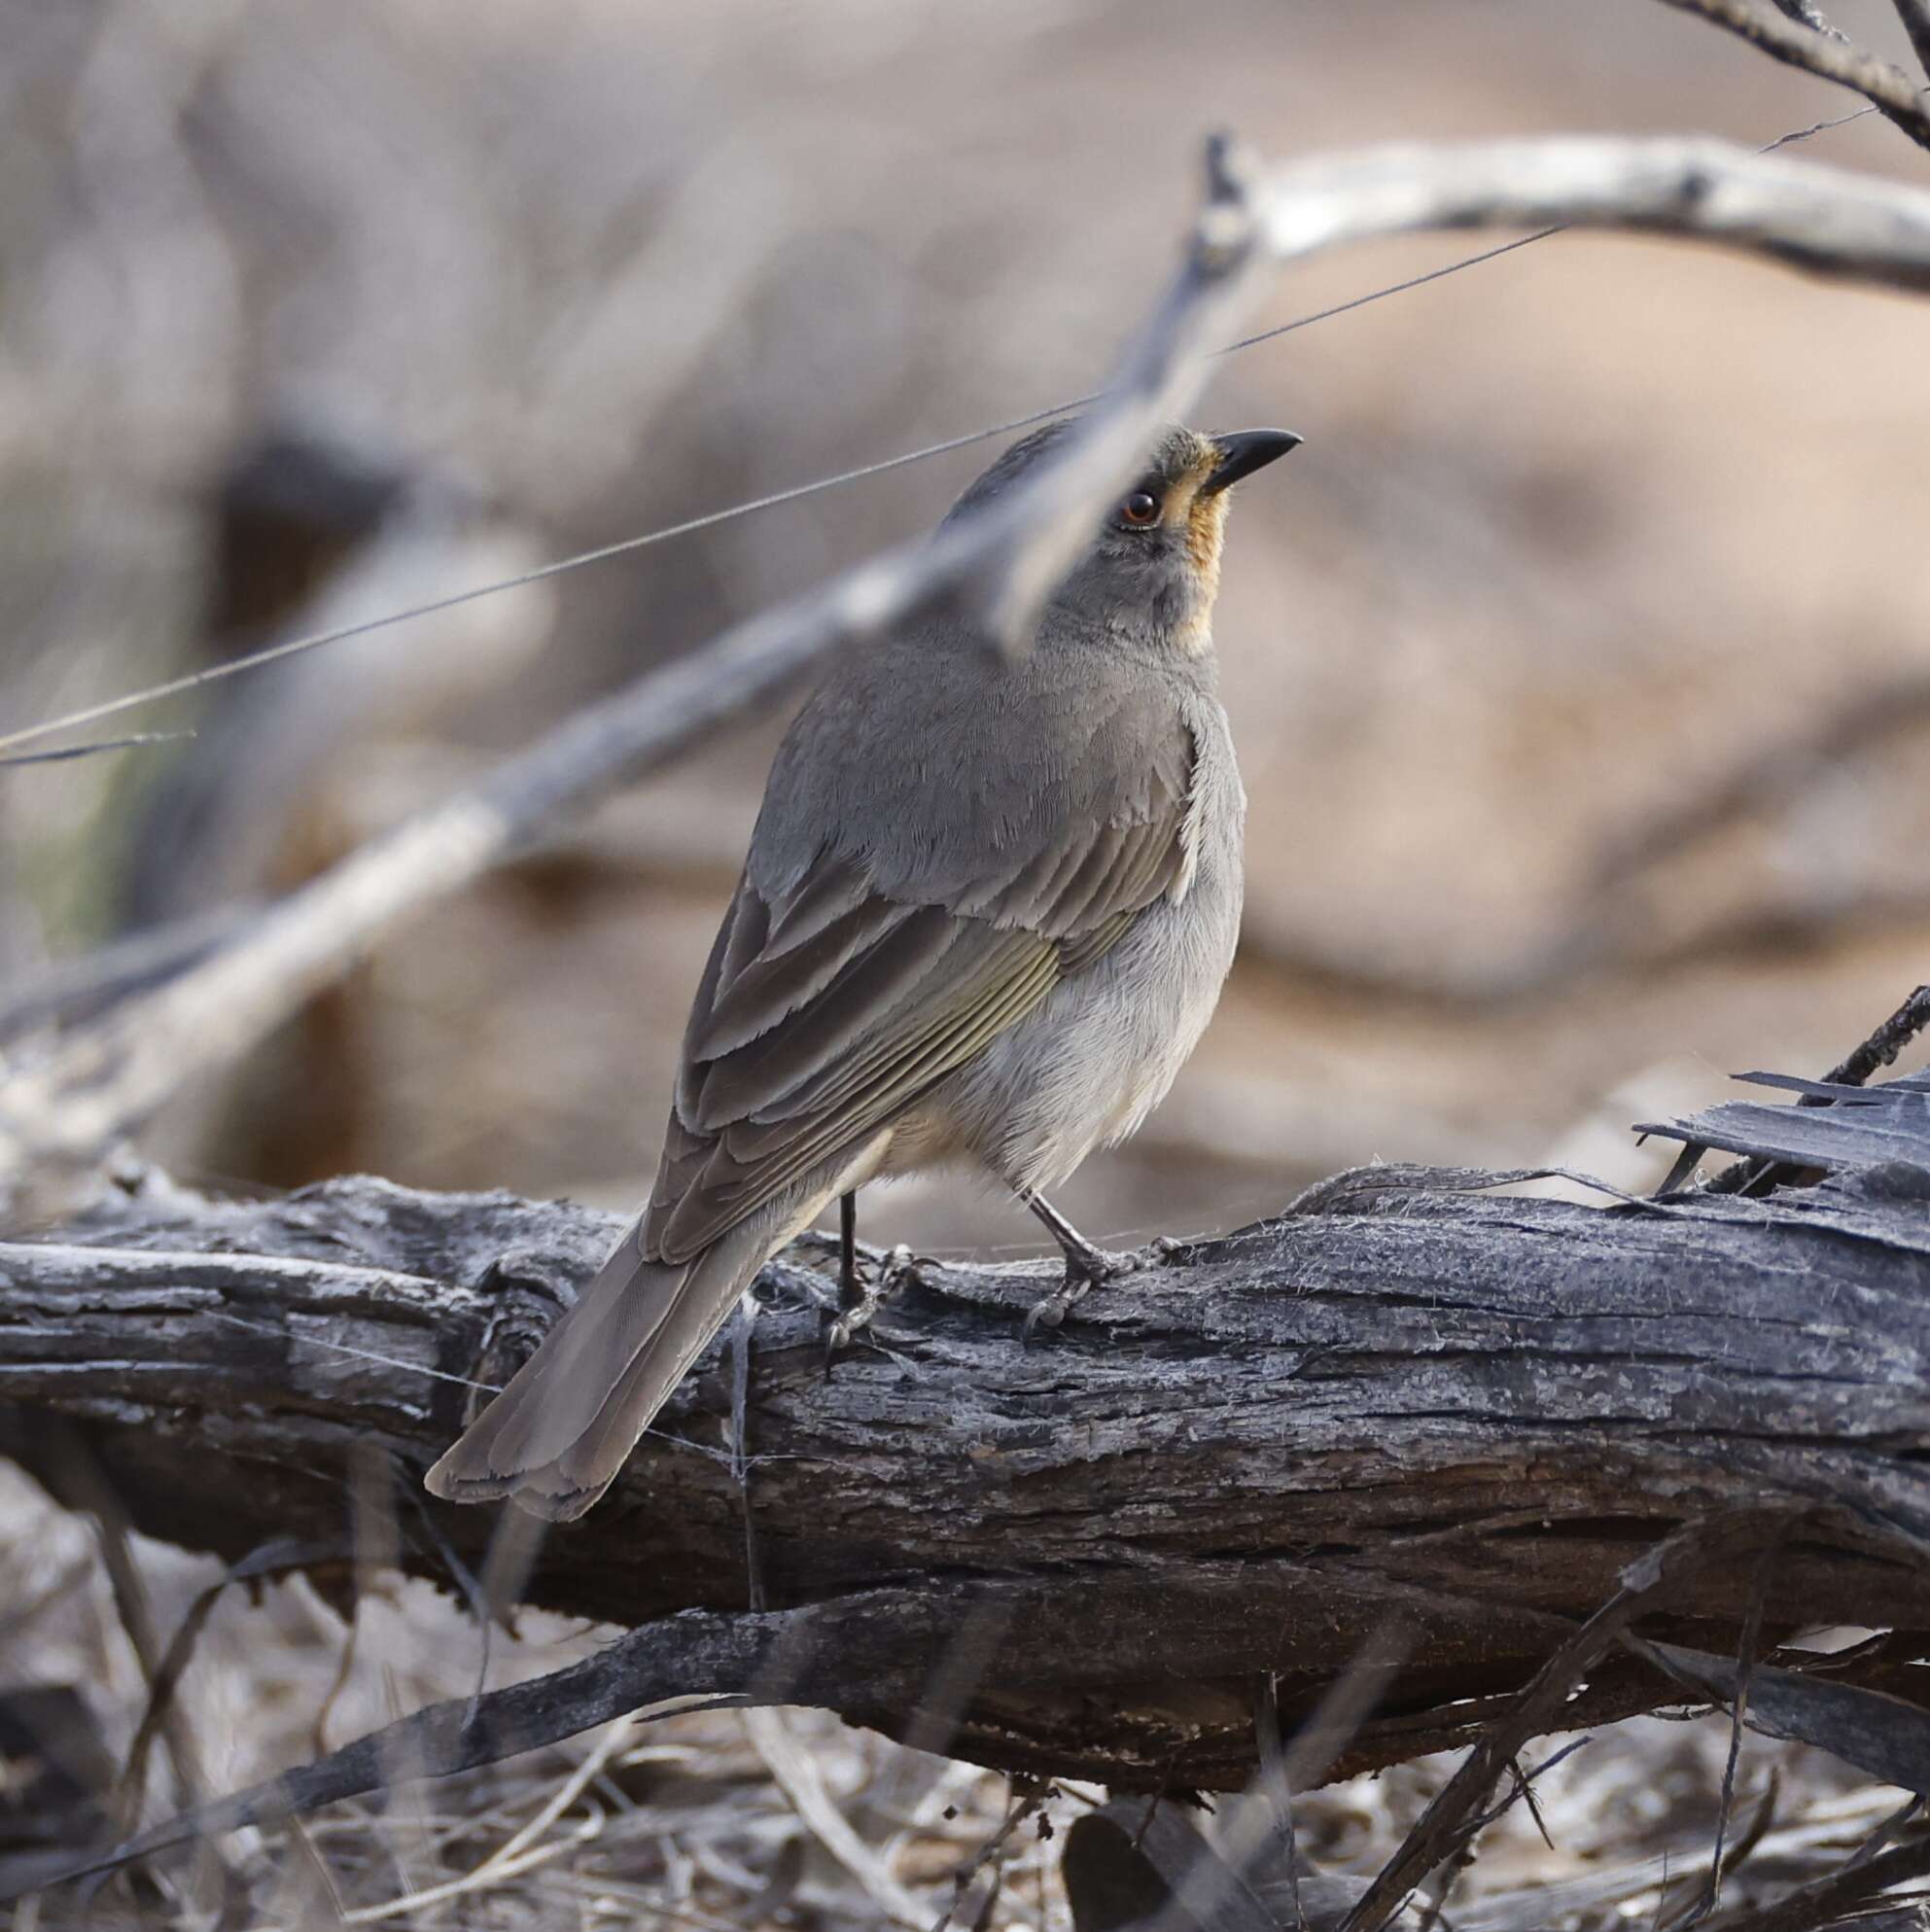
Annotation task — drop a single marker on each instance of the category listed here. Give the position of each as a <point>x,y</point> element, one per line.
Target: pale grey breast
<point>1084,1070</point>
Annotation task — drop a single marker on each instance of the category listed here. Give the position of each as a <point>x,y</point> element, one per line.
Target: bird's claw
<point>898,1269</point>
<point>1091,1269</point>
<point>1049,1311</point>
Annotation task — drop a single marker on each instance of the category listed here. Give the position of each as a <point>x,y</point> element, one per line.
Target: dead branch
<point>1825,219</point>
<point>1801,38</point>
<point>1833,1901</point>
<point>1517,1428</point>
<point>1757,1174</point>
<point>1916,18</point>
<point>65,1097</point>
<point>1442,1826</point>
<point>1406,1399</point>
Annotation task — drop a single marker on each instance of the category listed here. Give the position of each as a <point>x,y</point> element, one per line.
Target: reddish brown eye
<point>1140,508</point>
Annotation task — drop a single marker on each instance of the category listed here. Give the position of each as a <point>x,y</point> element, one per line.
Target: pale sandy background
<point>1574,535</point>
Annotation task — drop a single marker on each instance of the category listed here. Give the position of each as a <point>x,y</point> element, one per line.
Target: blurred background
<point>1580,663</point>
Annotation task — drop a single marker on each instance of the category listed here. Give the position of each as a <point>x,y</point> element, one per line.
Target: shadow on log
<point>1404,1399</point>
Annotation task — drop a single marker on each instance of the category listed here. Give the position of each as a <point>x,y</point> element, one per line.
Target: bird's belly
<point>1087,1067</point>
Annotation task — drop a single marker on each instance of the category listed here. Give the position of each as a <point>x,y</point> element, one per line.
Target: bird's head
<point>1152,571</point>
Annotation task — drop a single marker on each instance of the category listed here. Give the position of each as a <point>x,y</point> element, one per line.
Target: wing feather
<point>786,977</point>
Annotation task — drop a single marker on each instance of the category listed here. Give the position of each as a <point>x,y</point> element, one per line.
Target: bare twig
<point>1213,1889</point>
<point>72,992</point>
<point>1828,1900</point>
<point>1738,1711</point>
<point>308,1890</point>
<point>1278,1793</point>
<point>1916,18</point>
<point>1855,1070</point>
<point>82,1485</point>
<point>1341,1713</point>
<point>1438,1830</point>
<point>1882,1735</point>
<point>1884,1045</point>
<point>1826,220</point>
<point>798,1778</point>
<point>1811,17</point>
<point>130,743</point>
<point>740,1442</point>
<point>1465,1843</point>
<point>1795,39</point>
<point>1028,1797</point>
<point>521,1852</point>
<point>276,1559</point>
<point>856,1648</point>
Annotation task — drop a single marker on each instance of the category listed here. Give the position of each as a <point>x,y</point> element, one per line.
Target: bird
<point>988,908</point>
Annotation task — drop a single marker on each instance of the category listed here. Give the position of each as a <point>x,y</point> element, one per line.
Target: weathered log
<point>1409,1402</point>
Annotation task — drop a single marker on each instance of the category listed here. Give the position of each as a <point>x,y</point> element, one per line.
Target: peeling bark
<point>1462,1412</point>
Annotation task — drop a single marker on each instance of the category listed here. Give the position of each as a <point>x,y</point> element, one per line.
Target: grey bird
<point>986,915</point>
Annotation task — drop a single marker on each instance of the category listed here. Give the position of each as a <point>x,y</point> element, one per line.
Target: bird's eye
<point>1139,509</point>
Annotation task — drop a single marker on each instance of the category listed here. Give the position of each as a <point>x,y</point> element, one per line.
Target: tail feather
<point>554,1439</point>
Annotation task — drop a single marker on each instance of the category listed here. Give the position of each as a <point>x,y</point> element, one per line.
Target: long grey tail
<point>555,1438</point>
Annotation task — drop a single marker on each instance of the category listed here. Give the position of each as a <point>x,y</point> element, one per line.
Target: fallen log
<point>1405,1402</point>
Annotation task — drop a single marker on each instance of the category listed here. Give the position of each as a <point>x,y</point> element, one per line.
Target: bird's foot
<point>861,1299</point>
<point>1088,1268</point>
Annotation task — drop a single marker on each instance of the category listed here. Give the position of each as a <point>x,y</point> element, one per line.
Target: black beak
<point>1245,452</point>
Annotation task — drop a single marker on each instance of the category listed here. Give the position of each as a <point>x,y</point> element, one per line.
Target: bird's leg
<point>859,1300</point>
<point>1086,1267</point>
<point>850,1291</point>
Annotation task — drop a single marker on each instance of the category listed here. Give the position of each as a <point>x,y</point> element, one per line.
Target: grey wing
<point>825,1014</point>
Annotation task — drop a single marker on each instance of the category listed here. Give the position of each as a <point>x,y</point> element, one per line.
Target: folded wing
<point>823,1015</point>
